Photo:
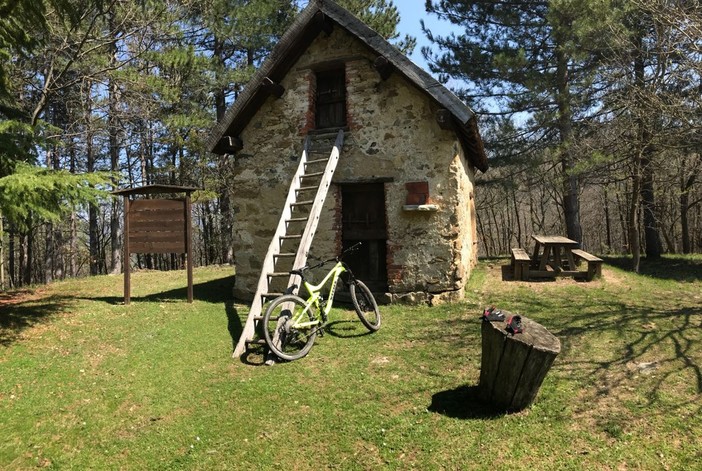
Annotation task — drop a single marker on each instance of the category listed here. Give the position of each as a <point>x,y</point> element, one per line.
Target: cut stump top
<point>535,335</point>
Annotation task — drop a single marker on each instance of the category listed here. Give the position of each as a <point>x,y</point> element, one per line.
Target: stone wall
<point>392,137</point>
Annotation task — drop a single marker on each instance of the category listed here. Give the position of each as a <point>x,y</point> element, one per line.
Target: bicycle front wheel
<point>365,305</point>
<point>288,334</point>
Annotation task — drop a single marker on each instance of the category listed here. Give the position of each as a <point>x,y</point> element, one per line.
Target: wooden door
<point>331,99</point>
<point>363,220</point>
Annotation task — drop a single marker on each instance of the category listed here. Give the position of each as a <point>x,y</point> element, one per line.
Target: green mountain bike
<point>291,324</point>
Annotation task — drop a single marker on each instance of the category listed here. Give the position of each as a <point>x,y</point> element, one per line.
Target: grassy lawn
<point>88,383</point>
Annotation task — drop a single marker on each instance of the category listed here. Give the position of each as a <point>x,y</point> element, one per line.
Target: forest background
<point>590,111</point>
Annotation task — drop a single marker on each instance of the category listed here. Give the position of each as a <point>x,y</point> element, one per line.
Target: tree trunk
<point>571,185</point>
<point>685,222</point>
<point>227,224</point>
<point>2,254</point>
<point>633,223</point>
<point>638,159</point>
<point>608,219</point>
<point>73,243</point>
<point>26,254</point>
<point>651,232</point>
<point>113,130</point>
<point>686,188</point>
<point>11,256</point>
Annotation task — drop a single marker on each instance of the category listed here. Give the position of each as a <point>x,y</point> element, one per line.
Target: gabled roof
<point>155,189</point>
<point>304,29</point>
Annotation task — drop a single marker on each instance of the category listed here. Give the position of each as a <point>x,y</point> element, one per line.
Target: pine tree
<point>525,60</point>
<point>383,17</point>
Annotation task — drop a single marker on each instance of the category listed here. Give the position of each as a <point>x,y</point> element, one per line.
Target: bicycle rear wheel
<point>287,341</point>
<point>365,305</point>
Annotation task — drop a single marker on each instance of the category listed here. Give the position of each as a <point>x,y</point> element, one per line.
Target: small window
<point>331,99</point>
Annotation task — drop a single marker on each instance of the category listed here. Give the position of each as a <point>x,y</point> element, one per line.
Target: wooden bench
<point>520,264</point>
<point>594,264</point>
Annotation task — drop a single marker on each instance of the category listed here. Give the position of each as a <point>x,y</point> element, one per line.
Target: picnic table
<point>555,252</point>
<point>554,256</point>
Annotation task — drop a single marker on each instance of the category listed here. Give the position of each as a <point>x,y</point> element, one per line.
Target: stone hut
<point>404,180</point>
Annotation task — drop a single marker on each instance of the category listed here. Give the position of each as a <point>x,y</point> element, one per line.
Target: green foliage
<point>18,20</point>
<point>382,16</point>
<point>46,194</point>
<point>15,143</point>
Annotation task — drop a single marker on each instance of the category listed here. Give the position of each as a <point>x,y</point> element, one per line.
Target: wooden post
<point>383,66</point>
<point>189,247</point>
<point>126,257</point>
<point>444,118</point>
<point>514,366</point>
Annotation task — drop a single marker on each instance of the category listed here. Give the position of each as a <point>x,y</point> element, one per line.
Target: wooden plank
<point>157,247</point>
<point>560,240</point>
<point>158,216</point>
<point>533,374</point>
<point>514,356</point>
<point>157,205</point>
<point>157,237</point>
<point>520,254</point>
<point>553,273</point>
<point>493,342</point>
<point>587,256</point>
<point>156,226</point>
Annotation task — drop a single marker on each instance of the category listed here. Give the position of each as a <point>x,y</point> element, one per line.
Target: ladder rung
<point>285,254</point>
<point>317,161</point>
<point>310,175</point>
<point>279,273</point>
<point>298,236</point>
<point>307,188</point>
<point>302,203</point>
<point>297,220</point>
<point>271,295</point>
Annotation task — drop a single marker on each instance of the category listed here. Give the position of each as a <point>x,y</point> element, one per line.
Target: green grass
<point>88,383</point>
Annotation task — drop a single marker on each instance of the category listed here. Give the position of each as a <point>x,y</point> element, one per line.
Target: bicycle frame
<point>316,296</point>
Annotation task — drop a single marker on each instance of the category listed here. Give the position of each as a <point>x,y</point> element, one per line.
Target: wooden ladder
<point>291,242</point>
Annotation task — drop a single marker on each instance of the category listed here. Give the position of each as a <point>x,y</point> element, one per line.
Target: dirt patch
<point>20,296</point>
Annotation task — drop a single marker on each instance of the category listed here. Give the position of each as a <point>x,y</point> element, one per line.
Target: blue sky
<point>411,12</point>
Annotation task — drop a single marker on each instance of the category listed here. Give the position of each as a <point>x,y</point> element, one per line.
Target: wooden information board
<point>157,226</point>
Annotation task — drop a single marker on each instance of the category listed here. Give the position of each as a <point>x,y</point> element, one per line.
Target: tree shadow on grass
<point>667,267</point>
<point>17,315</point>
<point>212,291</point>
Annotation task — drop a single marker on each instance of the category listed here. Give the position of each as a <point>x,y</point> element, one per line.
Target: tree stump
<point>514,366</point>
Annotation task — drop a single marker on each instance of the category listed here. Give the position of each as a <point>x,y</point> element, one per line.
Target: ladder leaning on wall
<point>294,234</point>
